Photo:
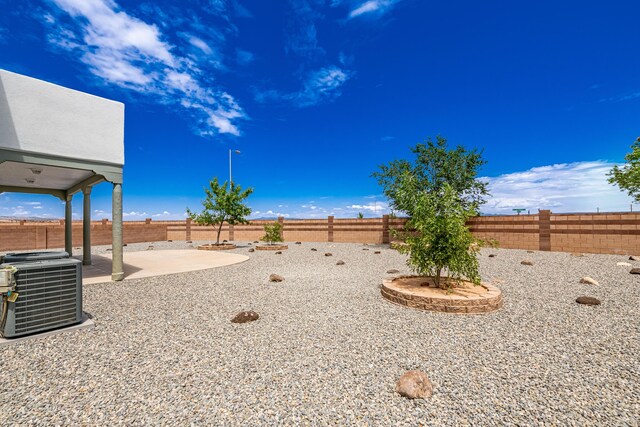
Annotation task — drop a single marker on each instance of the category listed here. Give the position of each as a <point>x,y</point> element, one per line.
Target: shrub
<point>272,233</point>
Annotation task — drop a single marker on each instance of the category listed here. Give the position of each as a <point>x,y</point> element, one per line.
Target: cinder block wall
<point>617,233</point>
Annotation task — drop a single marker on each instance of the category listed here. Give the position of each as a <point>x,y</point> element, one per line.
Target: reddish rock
<point>245,316</point>
<point>276,278</point>
<point>251,250</point>
<point>588,300</point>
<point>314,250</point>
<point>393,271</point>
<point>377,252</point>
<point>414,385</point>
<point>635,271</point>
<point>328,254</point>
<point>340,262</point>
<point>526,262</point>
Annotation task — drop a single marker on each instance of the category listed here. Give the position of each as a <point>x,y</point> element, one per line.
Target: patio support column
<point>86,227</point>
<point>117,269</point>
<point>68,225</point>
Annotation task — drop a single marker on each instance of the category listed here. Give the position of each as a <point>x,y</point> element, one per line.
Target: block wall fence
<point>615,233</point>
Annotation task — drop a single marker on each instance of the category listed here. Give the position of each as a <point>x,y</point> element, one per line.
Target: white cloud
<point>134,214</point>
<point>565,187</point>
<point>163,214</point>
<point>125,51</point>
<point>372,7</point>
<point>319,86</point>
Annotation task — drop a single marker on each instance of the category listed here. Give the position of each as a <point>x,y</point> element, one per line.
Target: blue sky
<point>317,93</point>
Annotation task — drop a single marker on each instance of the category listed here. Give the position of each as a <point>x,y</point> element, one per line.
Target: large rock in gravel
<point>492,255</point>
<point>276,278</point>
<point>576,254</point>
<point>279,253</point>
<point>623,264</point>
<point>314,250</point>
<point>377,252</point>
<point>634,258</point>
<point>328,254</point>
<point>588,281</point>
<point>252,250</point>
<point>245,316</point>
<point>526,262</point>
<point>414,385</point>
<point>393,271</point>
<point>298,243</point>
<point>588,300</point>
<point>340,262</point>
<point>635,271</point>
<point>365,249</point>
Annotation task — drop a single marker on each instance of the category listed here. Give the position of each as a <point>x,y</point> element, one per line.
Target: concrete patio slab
<point>151,263</point>
<point>86,323</point>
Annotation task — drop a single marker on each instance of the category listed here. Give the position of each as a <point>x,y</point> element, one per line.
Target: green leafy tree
<point>360,215</point>
<point>435,165</point>
<point>223,203</point>
<point>439,192</point>
<point>627,177</point>
<point>272,233</point>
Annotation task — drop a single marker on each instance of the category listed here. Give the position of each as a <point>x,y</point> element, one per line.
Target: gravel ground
<point>328,349</point>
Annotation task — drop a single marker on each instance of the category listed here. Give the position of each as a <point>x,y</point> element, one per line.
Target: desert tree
<point>627,177</point>
<point>439,192</point>
<point>272,233</point>
<point>223,203</point>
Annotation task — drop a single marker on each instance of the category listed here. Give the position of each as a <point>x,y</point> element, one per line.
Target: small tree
<point>360,215</point>
<point>222,204</point>
<point>272,233</point>
<point>440,192</point>
<point>628,176</point>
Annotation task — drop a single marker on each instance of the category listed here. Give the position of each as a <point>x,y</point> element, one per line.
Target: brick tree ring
<point>420,292</point>
<point>271,247</point>
<point>214,247</point>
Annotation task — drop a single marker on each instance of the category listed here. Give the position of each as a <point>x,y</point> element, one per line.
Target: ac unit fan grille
<point>47,297</point>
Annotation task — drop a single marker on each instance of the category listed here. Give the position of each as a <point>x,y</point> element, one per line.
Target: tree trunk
<point>219,230</point>
<point>437,278</point>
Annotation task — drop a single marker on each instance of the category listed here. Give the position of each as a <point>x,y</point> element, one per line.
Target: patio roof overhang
<point>58,141</point>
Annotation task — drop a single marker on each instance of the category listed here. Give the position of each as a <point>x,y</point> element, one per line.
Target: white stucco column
<point>86,227</point>
<point>68,225</point>
<point>117,268</point>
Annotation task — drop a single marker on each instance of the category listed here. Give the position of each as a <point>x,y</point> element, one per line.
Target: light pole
<point>230,151</point>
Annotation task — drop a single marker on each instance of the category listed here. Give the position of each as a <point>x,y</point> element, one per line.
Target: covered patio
<point>60,142</point>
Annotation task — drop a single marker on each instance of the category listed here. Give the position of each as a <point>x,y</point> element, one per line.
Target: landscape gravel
<point>328,349</point>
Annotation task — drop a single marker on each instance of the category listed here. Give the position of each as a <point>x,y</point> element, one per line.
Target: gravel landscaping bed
<point>328,349</point>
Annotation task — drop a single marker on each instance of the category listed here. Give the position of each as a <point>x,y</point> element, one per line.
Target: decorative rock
<point>576,254</point>
<point>298,243</point>
<point>150,248</point>
<point>255,241</point>
<point>328,254</point>
<point>245,316</point>
<point>251,250</point>
<point>588,300</point>
<point>279,253</point>
<point>623,264</point>
<point>529,252</point>
<point>634,258</point>
<point>250,244</point>
<point>276,278</point>
<point>414,385</point>
<point>314,250</point>
<point>224,241</point>
<point>365,249</point>
<point>393,271</point>
<point>588,281</point>
<point>189,241</point>
<point>169,240</point>
<point>526,262</point>
<point>109,249</point>
<point>376,252</point>
<point>635,271</point>
<point>340,262</point>
<point>492,255</point>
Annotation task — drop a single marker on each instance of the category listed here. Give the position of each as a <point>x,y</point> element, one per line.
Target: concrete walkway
<point>157,263</point>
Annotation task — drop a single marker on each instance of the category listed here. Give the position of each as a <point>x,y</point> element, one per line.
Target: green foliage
<point>439,192</point>
<point>492,243</point>
<point>222,204</point>
<point>628,176</point>
<point>435,165</point>
<point>360,215</point>
<point>272,233</point>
